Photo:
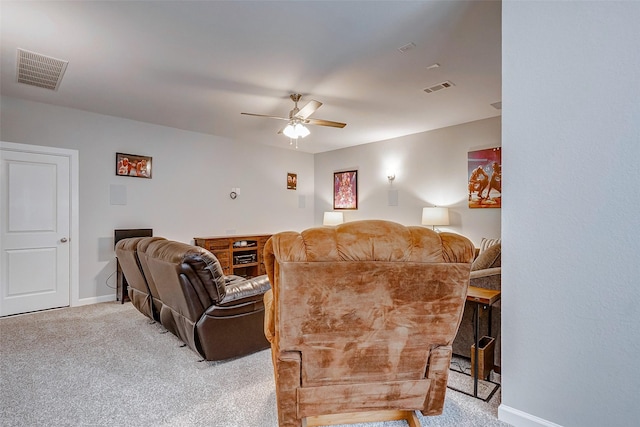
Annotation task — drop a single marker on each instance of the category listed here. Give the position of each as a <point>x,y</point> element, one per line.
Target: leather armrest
<point>232,278</point>
<point>239,288</point>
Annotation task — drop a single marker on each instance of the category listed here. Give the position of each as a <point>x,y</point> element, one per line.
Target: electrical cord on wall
<point>106,281</point>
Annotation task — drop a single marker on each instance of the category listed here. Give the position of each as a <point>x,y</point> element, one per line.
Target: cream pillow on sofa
<point>487,243</point>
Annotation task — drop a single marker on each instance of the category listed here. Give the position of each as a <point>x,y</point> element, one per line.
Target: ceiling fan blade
<point>308,109</point>
<point>264,115</point>
<point>321,122</point>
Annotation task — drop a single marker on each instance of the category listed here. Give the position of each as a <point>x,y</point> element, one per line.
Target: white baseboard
<point>95,300</point>
<point>518,418</point>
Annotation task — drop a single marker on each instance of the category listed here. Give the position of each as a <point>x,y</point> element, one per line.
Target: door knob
<point>63,240</point>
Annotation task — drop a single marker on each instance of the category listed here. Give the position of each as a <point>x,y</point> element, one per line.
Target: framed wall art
<point>485,178</point>
<point>133,165</point>
<point>345,190</point>
<point>292,181</point>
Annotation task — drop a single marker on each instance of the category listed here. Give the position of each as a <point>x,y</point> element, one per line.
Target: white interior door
<point>35,221</point>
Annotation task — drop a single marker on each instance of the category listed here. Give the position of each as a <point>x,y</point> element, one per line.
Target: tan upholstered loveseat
<point>361,318</point>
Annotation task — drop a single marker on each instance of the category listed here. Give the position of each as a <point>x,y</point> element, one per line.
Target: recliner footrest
<point>331,399</point>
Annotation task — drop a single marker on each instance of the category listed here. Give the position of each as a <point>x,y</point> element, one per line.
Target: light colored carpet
<point>460,379</point>
<point>106,365</point>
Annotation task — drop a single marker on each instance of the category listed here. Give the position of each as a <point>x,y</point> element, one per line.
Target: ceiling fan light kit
<point>299,117</point>
<point>296,130</point>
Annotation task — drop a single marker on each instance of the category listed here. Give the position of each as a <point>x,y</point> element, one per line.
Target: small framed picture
<point>345,190</point>
<point>292,181</point>
<point>133,165</point>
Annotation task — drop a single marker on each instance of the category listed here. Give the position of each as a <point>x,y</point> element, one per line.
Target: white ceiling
<point>198,65</point>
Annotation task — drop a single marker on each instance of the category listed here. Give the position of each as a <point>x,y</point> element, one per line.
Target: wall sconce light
<point>435,216</point>
<point>391,175</point>
<point>332,218</point>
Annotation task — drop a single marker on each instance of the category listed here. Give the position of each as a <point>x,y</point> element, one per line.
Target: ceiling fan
<point>298,117</point>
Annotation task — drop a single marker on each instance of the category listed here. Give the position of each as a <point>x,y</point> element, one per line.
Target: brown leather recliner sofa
<point>361,318</point>
<point>217,316</point>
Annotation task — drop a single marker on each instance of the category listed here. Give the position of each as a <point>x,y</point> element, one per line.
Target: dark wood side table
<point>485,298</point>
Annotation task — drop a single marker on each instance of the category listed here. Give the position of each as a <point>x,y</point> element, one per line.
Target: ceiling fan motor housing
<point>295,97</point>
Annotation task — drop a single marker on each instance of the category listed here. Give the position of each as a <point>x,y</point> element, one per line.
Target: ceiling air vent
<point>407,47</point>
<point>39,70</point>
<point>439,86</point>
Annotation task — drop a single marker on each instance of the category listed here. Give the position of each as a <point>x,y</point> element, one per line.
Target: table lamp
<point>435,216</point>
<point>332,218</point>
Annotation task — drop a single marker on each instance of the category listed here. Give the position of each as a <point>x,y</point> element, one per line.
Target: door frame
<point>74,227</point>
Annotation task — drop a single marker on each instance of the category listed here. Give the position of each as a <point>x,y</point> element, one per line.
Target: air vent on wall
<point>40,70</point>
<point>439,86</point>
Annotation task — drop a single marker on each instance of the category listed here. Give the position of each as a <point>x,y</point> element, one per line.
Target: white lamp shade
<point>332,218</point>
<point>435,216</point>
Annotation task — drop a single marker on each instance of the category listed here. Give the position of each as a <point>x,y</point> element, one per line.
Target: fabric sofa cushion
<point>489,258</point>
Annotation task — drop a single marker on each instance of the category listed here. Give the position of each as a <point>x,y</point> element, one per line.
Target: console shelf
<point>238,255</point>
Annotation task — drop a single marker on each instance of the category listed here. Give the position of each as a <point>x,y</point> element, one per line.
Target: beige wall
<point>188,195</point>
<point>431,169</point>
<point>570,275</point>
<point>193,174</point>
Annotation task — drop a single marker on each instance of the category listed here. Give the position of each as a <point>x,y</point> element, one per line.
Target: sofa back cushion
<point>143,244</point>
<point>372,240</point>
<point>189,278</point>
<point>126,253</point>
<point>138,288</point>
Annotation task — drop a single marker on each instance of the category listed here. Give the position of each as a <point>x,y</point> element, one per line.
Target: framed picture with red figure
<point>345,190</point>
